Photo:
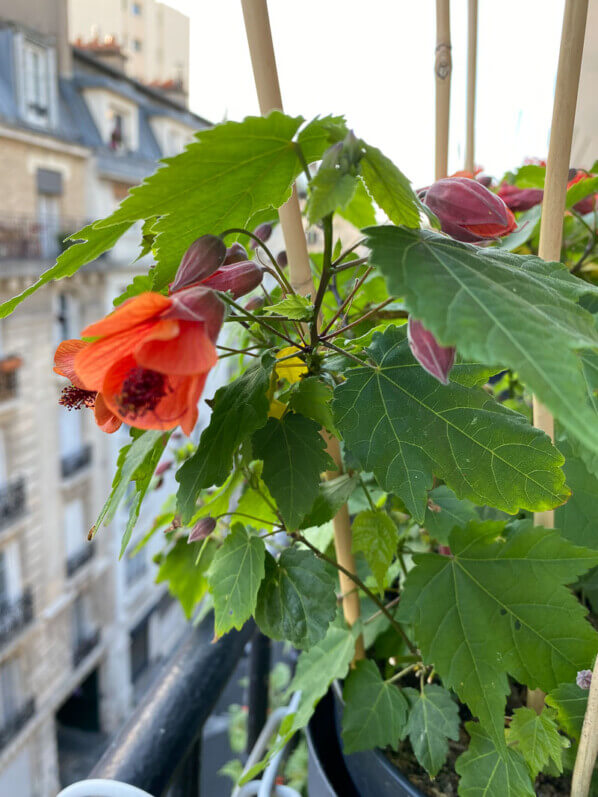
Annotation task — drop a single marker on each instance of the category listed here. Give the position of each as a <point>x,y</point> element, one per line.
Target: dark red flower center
<point>141,391</point>
<point>75,398</point>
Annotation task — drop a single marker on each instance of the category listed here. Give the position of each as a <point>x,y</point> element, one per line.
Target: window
<point>36,84</point>
<point>10,691</point>
<point>10,574</point>
<point>68,317</point>
<point>137,45</point>
<point>48,217</point>
<point>74,526</point>
<point>119,130</point>
<point>136,9</point>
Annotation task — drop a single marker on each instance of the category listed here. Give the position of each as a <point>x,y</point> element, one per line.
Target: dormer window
<point>36,84</point>
<point>119,130</point>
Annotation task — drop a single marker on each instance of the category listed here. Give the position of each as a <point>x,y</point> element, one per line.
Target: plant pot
<point>372,773</point>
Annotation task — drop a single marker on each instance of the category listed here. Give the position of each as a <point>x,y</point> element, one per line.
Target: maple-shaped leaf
<point>570,703</point>
<point>491,770</point>
<point>498,606</point>
<point>433,720</point>
<point>402,424</point>
<point>537,738</point>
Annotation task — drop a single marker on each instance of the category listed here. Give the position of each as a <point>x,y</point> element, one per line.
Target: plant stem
<point>239,351</point>
<point>397,676</point>
<point>348,251</point>
<point>367,495</point>
<point>258,319</point>
<point>324,279</point>
<point>356,580</point>
<point>351,264</point>
<point>356,287</point>
<point>359,320</point>
<point>330,345</point>
<point>259,242</point>
<point>251,517</point>
<point>377,614</point>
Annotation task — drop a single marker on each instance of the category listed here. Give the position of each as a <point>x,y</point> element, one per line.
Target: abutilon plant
<point>417,349</point>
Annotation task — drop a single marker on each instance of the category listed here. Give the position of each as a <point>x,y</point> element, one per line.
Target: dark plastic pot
<point>371,772</point>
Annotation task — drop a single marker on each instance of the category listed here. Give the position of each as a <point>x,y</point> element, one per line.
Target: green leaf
<point>139,284</point>
<point>329,189</point>
<point>257,502</point>
<point>402,424</point>
<point>580,190</point>
<point>296,307</point>
<point>488,770</point>
<point>187,580</point>
<point>537,738</point>
<point>527,225</point>
<point>570,703</point>
<point>514,587</point>
<point>221,180</point>
<point>331,496</point>
<point>360,211</point>
<point>293,452</point>
<point>297,599</point>
<point>498,308</point>
<point>136,463</point>
<point>239,408</point>
<point>445,511</point>
<point>530,176</point>
<point>94,242</point>
<point>433,719</point>
<point>390,188</point>
<point>315,138</point>
<point>375,712</point>
<point>234,577</point>
<point>577,520</point>
<point>376,535</point>
<point>312,398</point>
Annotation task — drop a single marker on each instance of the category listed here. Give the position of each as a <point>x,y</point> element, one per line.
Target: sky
<point>373,61</point>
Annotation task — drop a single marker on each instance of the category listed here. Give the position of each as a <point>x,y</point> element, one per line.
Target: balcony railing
<point>84,645</point>
<point>76,560</point>
<point>12,502</point>
<point>14,616</point>
<point>75,461</point>
<point>28,238</point>
<point>17,721</point>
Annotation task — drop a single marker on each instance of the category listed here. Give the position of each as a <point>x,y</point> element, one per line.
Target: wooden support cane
<point>472,57</point>
<point>555,190</point>
<point>263,61</point>
<point>442,70</point>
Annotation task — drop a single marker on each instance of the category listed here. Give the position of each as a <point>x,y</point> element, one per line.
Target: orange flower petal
<point>195,391</point>
<point>97,359</point>
<point>134,311</point>
<point>105,419</point>
<point>64,359</point>
<point>191,352</point>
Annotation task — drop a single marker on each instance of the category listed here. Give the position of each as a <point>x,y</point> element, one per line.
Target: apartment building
<point>151,37</point>
<point>80,631</point>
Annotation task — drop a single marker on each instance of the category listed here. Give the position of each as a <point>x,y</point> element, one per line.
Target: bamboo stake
<point>263,61</point>
<point>472,57</point>
<point>555,189</point>
<point>442,70</point>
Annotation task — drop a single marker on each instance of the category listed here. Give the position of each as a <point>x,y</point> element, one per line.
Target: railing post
<point>187,780</point>
<point>257,699</point>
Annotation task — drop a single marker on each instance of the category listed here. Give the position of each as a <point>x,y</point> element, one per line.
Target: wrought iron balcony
<point>12,502</point>
<point>14,616</point>
<point>28,238</point>
<point>84,645</point>
<point>79,558</point>
<point>71,463</point>
<point>17,721</point>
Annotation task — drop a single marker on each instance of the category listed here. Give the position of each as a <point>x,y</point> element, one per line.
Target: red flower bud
<point>202,258</point>
<point>437,360</point>
<point>238,278</point>
<point>202,529</point>
<point>198,304</point>
<point>520,198</point>
<point>282,259</point>
<point>263,232</point>
<point>255,303</point>
<point>467,211</point>
<point>163,467</point>
<point>588,203</point>
<point>235,254</point>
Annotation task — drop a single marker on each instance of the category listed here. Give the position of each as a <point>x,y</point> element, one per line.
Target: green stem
<point>324,279</point>
<point>257,319</point>
<point>367,495</point>
<point>360,319</point>
<point>338,350</point>
<point>348,251</point>
<point>356,287</point>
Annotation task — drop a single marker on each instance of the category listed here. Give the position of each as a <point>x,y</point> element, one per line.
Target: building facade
<point>80,631</point>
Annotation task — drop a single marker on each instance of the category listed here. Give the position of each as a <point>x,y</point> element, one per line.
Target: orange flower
<point>147,362</point>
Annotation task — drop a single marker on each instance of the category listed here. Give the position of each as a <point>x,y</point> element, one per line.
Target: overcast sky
<point>372,60</point>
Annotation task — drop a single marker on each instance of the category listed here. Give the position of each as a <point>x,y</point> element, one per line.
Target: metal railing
<point>14,616</point>
<point>180,701</point>
<point>71,463</point>
<point>84,645</point>
<point>16,722</point>
<point>76,560</point>
<point>12,502</point>
<point>28,238</point>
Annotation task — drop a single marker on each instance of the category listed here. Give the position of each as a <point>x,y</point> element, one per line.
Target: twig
<point>356,287</point>
<point>360,319</point>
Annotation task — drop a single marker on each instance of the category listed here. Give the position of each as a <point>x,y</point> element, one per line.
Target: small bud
<point>444,550</point>
<point>255,303</point>
<point>163,467</point>
<point>520,198</point>
<point>282,259</point>
<point>263,232</point>
<point>202,258</point>
<point>198,303</point>
<point>202,529</point>
<point>238,278</point>
<point>437,360</point>
<point>467,211</point>
<point>584,679</point>
<point>235,254</point>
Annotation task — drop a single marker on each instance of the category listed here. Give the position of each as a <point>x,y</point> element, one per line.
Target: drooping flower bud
<point>238,278</point>
<point>520,198</point>
<point>202,529</point>
<point>468,211</point>
<point>198,303</point>
<point>235,254</point>
<point>584,679</point>
<point>200,260</point>
<point>263,232</point>
<point>437,360</point>
<point>282,259</point>
<point>588,203</point>
<point>255,304</point>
